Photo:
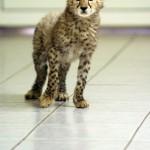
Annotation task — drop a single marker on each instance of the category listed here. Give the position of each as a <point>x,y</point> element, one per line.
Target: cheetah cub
<point>59,41</point>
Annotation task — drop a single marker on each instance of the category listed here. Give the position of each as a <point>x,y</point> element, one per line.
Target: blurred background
<point>14,13</point>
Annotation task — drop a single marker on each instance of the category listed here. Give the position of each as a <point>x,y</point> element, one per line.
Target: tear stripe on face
<point>89,4</point>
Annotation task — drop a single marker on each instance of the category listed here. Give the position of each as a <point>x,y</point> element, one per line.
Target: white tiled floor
<point>118,91</point>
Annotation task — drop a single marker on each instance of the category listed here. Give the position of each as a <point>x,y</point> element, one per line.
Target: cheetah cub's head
<point>84,8</point>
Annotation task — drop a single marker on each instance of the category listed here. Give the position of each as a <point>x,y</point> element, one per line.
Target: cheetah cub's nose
<point>83,9</point>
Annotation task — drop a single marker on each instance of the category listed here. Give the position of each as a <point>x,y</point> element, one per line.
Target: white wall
<point>115,13</point>
<point>0,4</point>
<point>34,4</point>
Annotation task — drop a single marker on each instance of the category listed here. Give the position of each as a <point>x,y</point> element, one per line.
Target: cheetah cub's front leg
<point>62,94</point>
<point>52,87</point>
<point>83,69</point>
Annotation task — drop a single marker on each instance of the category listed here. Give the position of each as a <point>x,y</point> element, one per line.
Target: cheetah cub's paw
<point>62,97</point>
<point>81,104</point>
<point>32,95</point>
<point>45,101</point>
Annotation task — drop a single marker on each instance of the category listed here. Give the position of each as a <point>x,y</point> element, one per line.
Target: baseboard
<point>109,18</point>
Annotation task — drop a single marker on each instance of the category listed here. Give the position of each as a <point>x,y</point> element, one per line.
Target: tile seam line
<point>136,131</point>
<point>35,127</point>
<point>15,73</point>
<point>116,55</point>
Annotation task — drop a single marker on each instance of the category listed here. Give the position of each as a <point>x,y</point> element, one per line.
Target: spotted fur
<point>59,40</point>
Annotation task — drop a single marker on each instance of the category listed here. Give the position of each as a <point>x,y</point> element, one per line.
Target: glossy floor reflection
<point>118,91</point>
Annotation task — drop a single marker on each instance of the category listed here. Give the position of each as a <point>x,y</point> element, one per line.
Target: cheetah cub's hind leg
<point>40,65</point>
<point>36,89</point>
<point>62,94</point>
<point>31,95</point>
